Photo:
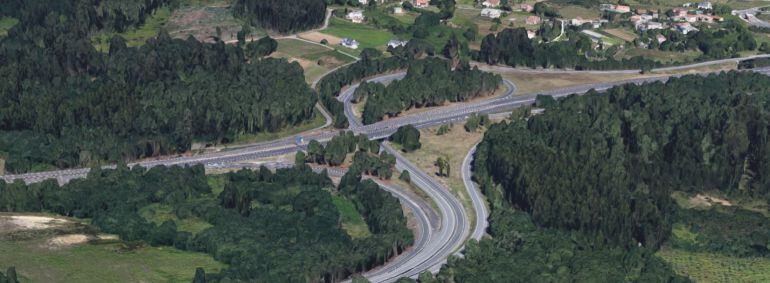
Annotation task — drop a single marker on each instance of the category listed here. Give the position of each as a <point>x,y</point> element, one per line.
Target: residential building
<point>685,28</point>
<point>491,13</point>
<point>398,10</point>
<point>661,38</point>
<point>622,9</point>
<point>531,34</point>
<point>349,43</point>
<point>363,2</point>
<point>490,3</point>
<point>355,16</point>
<point>595,36</point>
<point>526,8</point>
<point>396,43</point>
<point>653,26</point>
<point>680,12</point>
<point>421,3</point>
<point>578,21</point>
<point>705,5</point>
<point>533,20</point>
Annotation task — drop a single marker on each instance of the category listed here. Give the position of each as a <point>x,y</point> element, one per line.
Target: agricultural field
<point>46,248</point>
<point>667,4</point>
<point>367,36</point>
<point>314,58</point>
<point>201,19</point>
<point>621,33</point>
<point>198,18</point>
<point>690,250</point>
<point>575,11</point>
<point>666,57</point>
<point>714,267</point>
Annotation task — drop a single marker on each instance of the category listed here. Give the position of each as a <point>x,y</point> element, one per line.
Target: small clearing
<point>29,222</point>
<point>315,36</point>
<point>702,200</point>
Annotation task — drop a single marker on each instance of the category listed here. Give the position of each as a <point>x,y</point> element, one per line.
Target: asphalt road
<point>454,228</point>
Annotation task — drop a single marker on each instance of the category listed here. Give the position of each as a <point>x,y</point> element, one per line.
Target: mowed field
<point>315,59</point>
<point>367,36</point>
<point>56,250</point>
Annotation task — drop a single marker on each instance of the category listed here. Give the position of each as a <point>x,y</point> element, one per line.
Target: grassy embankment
<point>453,146</point>
<point>46,254</point>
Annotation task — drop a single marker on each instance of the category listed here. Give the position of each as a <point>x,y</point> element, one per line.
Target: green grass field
<point>352,221</point>
<point>102,263</point>
<point>135,37</point>
<point>6,23</point>
<point>713,267</point>
<point>659,55</point>
<point>367,36</point>
<point>158,213</point>
<point>311,54</point>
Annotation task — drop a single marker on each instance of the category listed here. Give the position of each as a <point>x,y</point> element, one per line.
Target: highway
<point>443,239</point>
<point>482,212</point>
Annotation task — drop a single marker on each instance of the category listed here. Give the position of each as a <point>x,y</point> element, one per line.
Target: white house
<point>705,5</point>
<point>363,2</point>
<point>685,28</point>
<point>349,43</point>
<point>396,43</point>
<point>356,16</point>
<point>490,3</point>
<point>491,13</point>
<point>661,38</point>
<point>398,10</point>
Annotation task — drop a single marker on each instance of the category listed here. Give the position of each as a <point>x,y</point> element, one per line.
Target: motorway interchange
<point>441,233</point>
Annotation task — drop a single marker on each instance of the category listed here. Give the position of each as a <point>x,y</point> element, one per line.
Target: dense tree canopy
<point>269,227</point>
<point>582,192</point>
<point>512,47</point>
<point>64,104</point>
<point>428,82</point>
<point>408,137</point>
<point>605,164</point>
<point>282,15</point>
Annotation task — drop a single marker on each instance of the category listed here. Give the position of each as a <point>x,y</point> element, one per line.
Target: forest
<point>282,15</point>
<point>512,47</point>
<point>591,179</point>
<point>428,82</point>
<point>268,226</point>
<point>163,96</point>
<point>84,15</point>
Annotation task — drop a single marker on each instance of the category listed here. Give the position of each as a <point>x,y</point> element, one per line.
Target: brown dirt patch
<point>29,222</point>
<point>701,200</point>
<point>315,36</point>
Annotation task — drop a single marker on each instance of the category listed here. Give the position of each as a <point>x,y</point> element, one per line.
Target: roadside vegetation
<point>283,217</point>
<point>630,181</point>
